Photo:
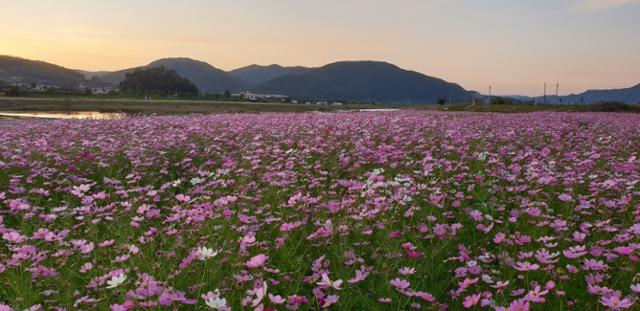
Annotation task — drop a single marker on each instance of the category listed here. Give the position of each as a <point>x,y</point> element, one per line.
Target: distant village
<point>271,98</point>
<point>83,88</point>
<point>29,87</point>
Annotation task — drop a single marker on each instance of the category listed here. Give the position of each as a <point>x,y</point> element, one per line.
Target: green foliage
<point>14,90</point>
<point>612,107</point>
<point>10,90</point>
<point>501,101</point>
<point>157,81</point>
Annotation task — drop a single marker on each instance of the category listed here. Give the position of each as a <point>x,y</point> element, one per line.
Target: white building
<point>261,97</point>
<point>103,90</point>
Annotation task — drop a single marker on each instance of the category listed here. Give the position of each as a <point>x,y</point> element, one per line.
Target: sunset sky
<point>512,45</point>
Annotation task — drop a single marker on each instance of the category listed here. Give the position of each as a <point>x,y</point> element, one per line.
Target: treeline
<point>158,81</point>
<point>603,106</point>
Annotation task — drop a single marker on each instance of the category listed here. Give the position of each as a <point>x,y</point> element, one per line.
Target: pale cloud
<point>599,5</point>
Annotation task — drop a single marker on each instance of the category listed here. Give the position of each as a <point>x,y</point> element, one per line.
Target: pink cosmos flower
<point>259,294</point>
<point>326,282</point>
<point>500,285</point>
<point>595,265</point>
<point>329,301</point>
<point>86,267</point>
<point>519,305</point>
<point>526,266</point>
<point>471,301</point>
<point>360,276</point>
<point>424,296</point>
<point>565,197</point>
<point>615,303</point>
<point>86,248</point>
<point>467,282</point>
<point>276,299</point>
<point>407,271</point>
<point>536,295</point>
<point>126,306</point>
<point>256,261</point>
<point>624,250</point>
<point>14,237</point>
<point>297,300</point>
<point>400,284</point>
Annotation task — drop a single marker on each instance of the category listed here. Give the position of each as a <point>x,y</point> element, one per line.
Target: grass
<point>156,106</point>
<point>202,106</point>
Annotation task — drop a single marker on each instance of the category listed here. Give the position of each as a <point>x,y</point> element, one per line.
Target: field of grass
<point>156,106</point>
<point>405,210</point>
<point>139,106</point>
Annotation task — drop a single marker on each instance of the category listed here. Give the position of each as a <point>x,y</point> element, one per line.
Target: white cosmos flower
<point>216,303</point>
<point>205,253</point>
<point>116,281</point>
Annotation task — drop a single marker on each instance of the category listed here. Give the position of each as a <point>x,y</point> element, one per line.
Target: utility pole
<point>490,93</point>
<point>545,93</point>
<point>557,92</point>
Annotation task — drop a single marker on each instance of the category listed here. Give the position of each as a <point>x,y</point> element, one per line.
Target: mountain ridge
<point>205,76</point>
<point>365,81</point>
<point>630,95</point>
<point>344,80</point>
<point>257,74</point>
<point>22,70</point>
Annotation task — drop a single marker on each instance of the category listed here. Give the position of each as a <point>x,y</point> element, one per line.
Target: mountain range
<point>206,77</point>
<point>370,81</point>
<point>364,81</point>
<point>629,95</point>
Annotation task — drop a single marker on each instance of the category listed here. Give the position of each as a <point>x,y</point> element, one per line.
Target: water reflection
<point>73,115</point>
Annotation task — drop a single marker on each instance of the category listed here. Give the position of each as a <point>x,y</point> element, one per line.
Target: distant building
<point>337,104</point>
<point>103,90</point>
<point>44,88</point>
<point>261,97</point>
<point>34,87</point>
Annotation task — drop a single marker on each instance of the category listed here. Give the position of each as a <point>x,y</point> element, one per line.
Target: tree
<point>441,101</point>
<point>157,81</point>
<point>14,90</point>
<point>227,94</point>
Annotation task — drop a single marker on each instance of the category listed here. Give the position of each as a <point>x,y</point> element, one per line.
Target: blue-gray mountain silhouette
<point>365,81</point>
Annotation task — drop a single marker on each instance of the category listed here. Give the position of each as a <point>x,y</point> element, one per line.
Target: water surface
<point>71,115</point>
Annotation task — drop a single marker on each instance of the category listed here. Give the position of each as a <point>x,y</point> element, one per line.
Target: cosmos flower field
<point>344,211</point>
